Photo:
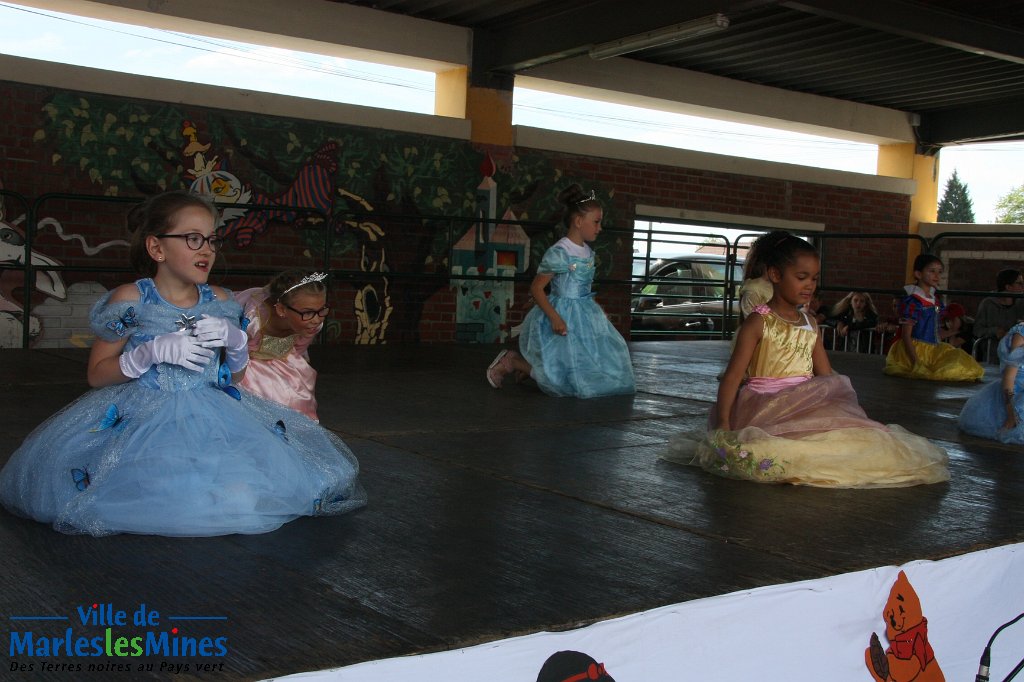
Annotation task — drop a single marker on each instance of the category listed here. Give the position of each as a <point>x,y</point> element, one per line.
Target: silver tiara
<point>589,197</point>
<point>308,279</point>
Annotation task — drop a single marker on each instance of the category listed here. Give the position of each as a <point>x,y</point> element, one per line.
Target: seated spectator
<point>855,316</point>
<point>953,329</point>
<point>997,314</point>
<point>815,309</point>
<point>890,325</point>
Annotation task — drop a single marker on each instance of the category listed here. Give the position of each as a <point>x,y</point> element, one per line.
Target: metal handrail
<point>454,227</point>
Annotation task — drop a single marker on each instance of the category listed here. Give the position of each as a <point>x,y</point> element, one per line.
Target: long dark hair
<point>781,249</point>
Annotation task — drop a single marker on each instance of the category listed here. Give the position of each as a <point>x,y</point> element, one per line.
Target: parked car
<point>686,294</point>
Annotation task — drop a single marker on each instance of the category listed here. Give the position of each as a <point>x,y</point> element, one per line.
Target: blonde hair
<point>846,304</point>
<point>289,283</point>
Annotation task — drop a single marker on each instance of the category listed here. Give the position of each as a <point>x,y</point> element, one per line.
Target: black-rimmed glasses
<point>195,241</point>
<point>308,315</point>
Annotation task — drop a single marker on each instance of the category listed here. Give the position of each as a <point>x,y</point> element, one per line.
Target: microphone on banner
<point>986,659</point>
<point>986,655</point>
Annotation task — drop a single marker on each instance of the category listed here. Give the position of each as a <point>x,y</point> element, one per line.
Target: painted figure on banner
<point>572,666</point>
<point>909,657</point>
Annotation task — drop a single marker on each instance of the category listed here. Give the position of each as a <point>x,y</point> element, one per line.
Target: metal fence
<point>332,247</point>
<point>685,295</point>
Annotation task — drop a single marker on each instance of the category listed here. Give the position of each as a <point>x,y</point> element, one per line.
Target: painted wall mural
<point>493,249</point>
<point>62,324</point>
<point>391,209</point>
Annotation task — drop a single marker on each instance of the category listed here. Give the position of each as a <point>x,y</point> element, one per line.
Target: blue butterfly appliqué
<point>280,429</point>
<point>320,503</point>
<point>224,382</point>
<point>80,477</point>
<point>121,324</point>
<point>111,420</point>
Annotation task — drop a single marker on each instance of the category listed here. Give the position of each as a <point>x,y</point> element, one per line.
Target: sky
<point>989,170</point>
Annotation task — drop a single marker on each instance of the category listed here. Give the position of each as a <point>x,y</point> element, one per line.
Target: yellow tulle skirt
<point>937,362</point>
<point>813,433</point>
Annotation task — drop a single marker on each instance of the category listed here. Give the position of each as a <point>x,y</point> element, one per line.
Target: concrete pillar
<point>450,89</point>
<point>489,110</point>
<point>902,161</point>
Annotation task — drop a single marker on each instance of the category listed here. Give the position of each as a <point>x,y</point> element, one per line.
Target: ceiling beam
<point>921,23</point>
<point>329,28</point>
<point>664,88</point>
<point>572,31</point>
<point>976,123</point>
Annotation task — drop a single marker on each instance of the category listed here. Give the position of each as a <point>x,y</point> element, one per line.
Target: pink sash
<point>769,385</point>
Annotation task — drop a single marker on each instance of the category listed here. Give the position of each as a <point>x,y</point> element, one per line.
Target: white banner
<point>811,630</point>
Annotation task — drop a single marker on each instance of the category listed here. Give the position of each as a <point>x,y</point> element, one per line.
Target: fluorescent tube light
<point>662,36</point>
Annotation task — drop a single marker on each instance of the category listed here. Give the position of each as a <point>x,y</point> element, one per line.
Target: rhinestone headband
<point>308,279</point>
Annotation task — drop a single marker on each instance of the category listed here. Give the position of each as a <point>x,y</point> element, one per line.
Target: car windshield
<point>686,279</point>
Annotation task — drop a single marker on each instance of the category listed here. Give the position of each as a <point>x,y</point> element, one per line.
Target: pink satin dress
<point>279,368</point>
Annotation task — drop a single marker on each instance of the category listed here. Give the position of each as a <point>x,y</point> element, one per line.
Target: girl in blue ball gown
<point>995,412</point>
<point>568,345</point>
<point>165,444</point>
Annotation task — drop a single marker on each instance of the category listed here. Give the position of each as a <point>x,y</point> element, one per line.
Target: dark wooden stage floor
<point>497,513</point>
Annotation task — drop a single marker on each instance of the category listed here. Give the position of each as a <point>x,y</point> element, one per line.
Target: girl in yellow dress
<point>920,353</point>
<point>794,421</point>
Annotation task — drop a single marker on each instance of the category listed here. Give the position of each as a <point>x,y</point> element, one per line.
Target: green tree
<point>956,205</point>
<point>1010,207</point>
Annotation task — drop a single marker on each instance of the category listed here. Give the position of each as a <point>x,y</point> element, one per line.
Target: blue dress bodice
<point>151,316</point>
<point>176,452</point>
<point>572,275</point>
<point>592,358</point>
<point>1013,357</point>
<point>984,413</point>
<point>924,314</point>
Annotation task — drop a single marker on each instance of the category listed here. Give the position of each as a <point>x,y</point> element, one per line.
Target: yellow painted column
<point>450,92</point>
<point>902,161</point>
<point>488,110</point>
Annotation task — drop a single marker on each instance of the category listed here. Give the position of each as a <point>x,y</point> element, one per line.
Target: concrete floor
<point>499,512</point>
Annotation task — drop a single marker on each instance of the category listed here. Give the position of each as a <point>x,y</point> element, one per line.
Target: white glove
<point>215,332</point>
<point>175,348</point>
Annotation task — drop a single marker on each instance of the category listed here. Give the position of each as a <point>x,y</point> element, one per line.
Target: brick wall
<point>971,264</point>
<point>45,148</point>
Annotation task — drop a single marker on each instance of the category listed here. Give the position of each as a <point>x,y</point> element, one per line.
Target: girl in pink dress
<point>783,416</point>
<point>284,318</point>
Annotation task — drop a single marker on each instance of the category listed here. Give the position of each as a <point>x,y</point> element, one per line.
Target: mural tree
<point>380,202</point>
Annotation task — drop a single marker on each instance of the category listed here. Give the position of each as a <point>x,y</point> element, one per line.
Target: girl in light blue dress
<point>996,411</point>
<point>568,345</point>
<point>165,444</point>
